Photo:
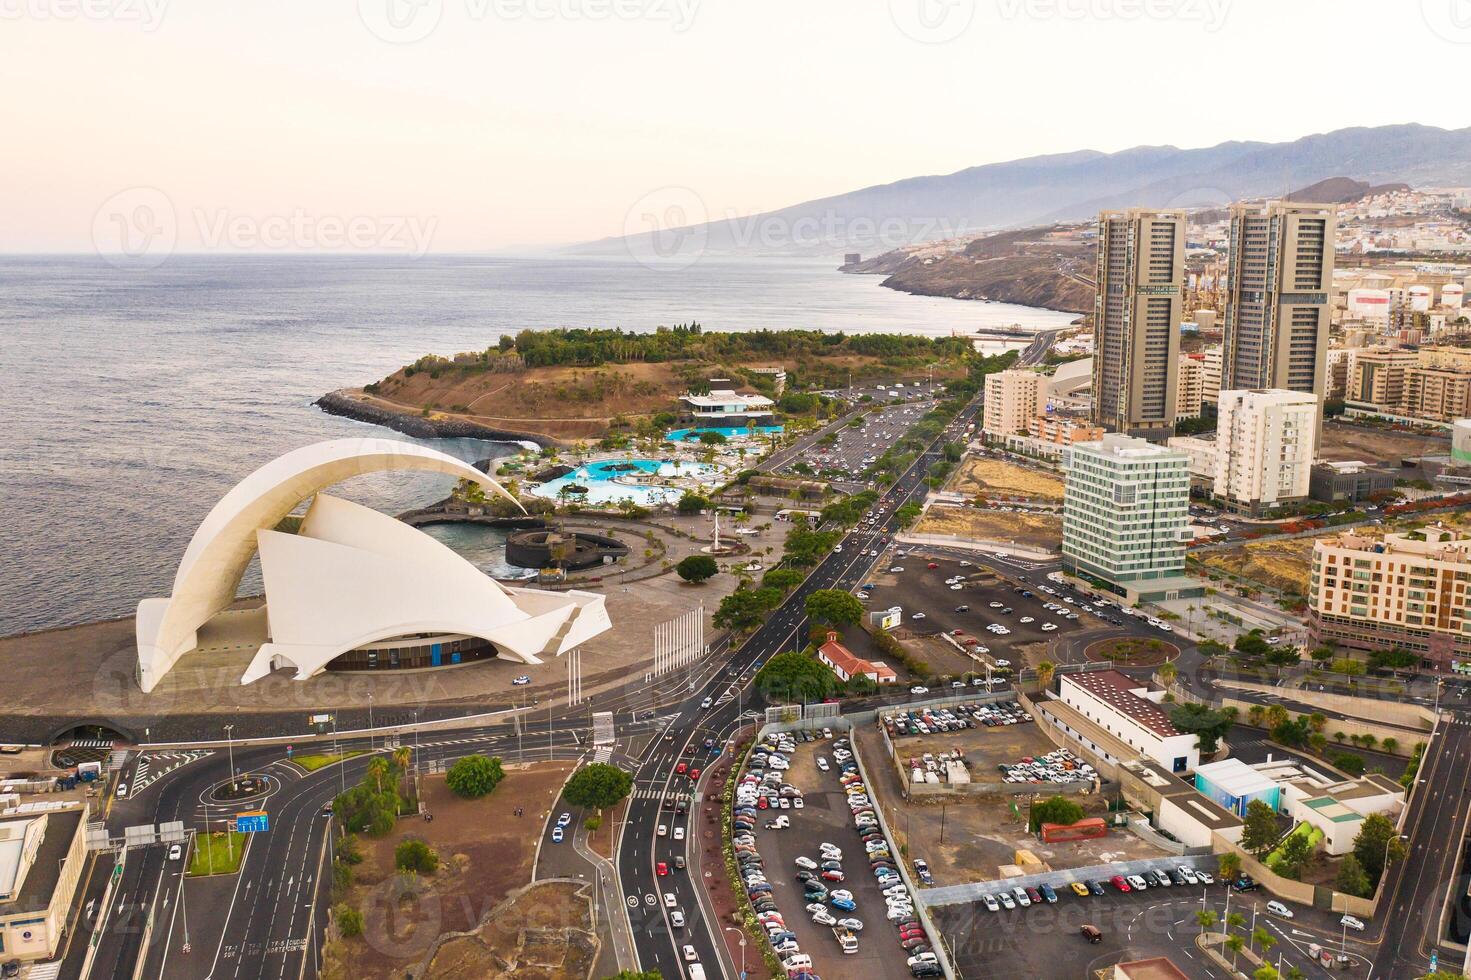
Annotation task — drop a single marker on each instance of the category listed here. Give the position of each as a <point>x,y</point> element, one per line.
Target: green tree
<point>1263,940</point>
<point>1294,857</point>
<point>349,920</point>
<point>795,676</point>
<point>1351,878</point>
<point>833,607</point>
<point>1235,944</point>
<point>597,785</point>
<point>1229,865</point>
<point>1376,839</point>
<point>1252,645</point>
<point>696,568</point>
<point>746,609</point>
<point>474,776</point>
<point>1260,833</point>
<point>1055,809</point>
<point>414,855</point>
<point>1389,744</point>
<point>1207,725</point>
<point>1349,763</point>
<point>1207,918</point>
<point>1266,971</point>
<point>692,503</point>
<point>785,579</point>
<point>712,439</point>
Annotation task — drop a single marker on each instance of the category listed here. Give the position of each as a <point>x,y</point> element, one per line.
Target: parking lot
<point>826,818</point>
<point>931,606</point>
<point>1047,941</point>
<point>855,446</point>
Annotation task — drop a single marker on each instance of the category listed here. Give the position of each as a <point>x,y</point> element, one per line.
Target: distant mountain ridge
<point>1072,186</point>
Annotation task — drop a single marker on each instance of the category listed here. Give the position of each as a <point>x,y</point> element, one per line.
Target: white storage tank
<point>1452,294</point>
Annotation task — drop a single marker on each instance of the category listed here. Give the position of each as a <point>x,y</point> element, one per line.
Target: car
<point>842,893</point>
<point>806,863</point>
<point>679,833</point>
<point>1205,878</point>
<point>676,919</point>
<point>824,918</point>
<point>1091,933</point>
<point>822,763</point>
<point>1353,922</point>
<point>564,820</point>
<point>918,615</point>
<point>1188,873</point>
<point>690,956</point>
<point>834,876</point>
<point>916,689</point>
<point>1080,889</point>
<point>681,769</point>
<point>1245,883</point>
<point>990,902</point>
<point>707,702</point>
<point>556,835</point>
<point>932,565</point>
<point>1026,619</point>
<point>1121,883</point>
<point>1006,900</point>
<point>1158,878</point>
<point>669,900</point>
<point>1138,883</point>
<point>842,904</point>
<point>176,852</point>
<point>660,831</point>
<point>1021,896</point>
<point>1036,896</point>
<point>1278,909</point>
<point>521,681</point>
<point>850,923</point>
<point>956,587</point>
<point>661,869</point>
<point>122,791</point>
<point>1003,663</point>
<point>1095,887</point>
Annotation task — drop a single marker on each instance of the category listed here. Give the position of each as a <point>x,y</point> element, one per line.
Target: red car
<point>681,769</point>
<point>1118,882</point>
<point>661,868</point>
<point>932,565</point>
<point>694,774</point>
<point>763,803</point>
<point>833,876</point>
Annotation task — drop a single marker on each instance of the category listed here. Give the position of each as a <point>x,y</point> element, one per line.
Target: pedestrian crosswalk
<point>44,971</point>
<point>118,759</point>
<point>92,743</point>
<point>153,766</point>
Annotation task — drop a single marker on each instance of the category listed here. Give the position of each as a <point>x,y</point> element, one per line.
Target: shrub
<point>416,856</point>
<point>349,920</point>
<point>474,776</point>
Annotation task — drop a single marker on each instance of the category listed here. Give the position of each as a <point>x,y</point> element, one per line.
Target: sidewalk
<point>719,903</point>
<point>612,914</point>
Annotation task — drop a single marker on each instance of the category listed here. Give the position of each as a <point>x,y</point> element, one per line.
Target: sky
<point>481,125</point>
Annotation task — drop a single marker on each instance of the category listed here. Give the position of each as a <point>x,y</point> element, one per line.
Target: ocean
<point>133,399</point>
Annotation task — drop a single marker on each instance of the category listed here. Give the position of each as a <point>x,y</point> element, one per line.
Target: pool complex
<point>648,482</point>
<point>729,431</point>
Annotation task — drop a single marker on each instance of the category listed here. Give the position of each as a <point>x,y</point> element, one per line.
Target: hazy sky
<point>456,125</point>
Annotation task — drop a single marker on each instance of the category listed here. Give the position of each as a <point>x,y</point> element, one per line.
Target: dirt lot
<point>967,840</point>
<point>1278,564</point>
<point>484,854</point>
<point>545,933</point>
<point>1342,441</point>
<point>1037,530</point>
<point>995,478</point>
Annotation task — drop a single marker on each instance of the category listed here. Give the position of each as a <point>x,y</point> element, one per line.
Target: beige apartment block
<point>1136,321</point>
<point>1438,394</point>
<point>1211,366</point>
<point>1189,386</point>
<point>1400,590</point>
<point>1278,308</point>
<point>1013,398</point>
<point>1376,376</point>
<point>1062,430</point>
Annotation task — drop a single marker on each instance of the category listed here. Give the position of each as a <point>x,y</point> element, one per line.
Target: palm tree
<point>1254,715</point>
<point>1234,920</point>
<point>1207,919</point>
<point>1263,939</point>
<point>1276,715</point>
<point>1045,671</point>
<point>379,770</point>
<point>1235,944</point>
<point>1168,673</point>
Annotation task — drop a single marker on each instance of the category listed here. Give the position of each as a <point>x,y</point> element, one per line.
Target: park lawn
<point>214,855</point>
<point>1313,834</point>
<point>311,762</point>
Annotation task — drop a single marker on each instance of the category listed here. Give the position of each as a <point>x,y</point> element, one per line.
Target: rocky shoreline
<point>342,403</point>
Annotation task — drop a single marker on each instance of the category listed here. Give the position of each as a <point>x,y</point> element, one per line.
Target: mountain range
<point>1073,186</point>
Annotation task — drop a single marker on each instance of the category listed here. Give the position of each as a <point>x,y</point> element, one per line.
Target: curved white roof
<point>222,547</point>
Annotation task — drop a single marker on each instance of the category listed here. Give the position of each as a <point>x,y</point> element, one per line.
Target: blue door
<point>435,653</point>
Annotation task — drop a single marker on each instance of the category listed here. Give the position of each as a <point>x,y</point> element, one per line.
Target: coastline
<point>342,403</point>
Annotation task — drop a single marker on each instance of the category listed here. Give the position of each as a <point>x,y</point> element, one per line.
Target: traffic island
<point>217,853</point>
<point>1132,651</point>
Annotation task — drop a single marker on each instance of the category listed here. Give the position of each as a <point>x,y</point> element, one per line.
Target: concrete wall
<point>972,544</point>
<point>1414,717</point>
<point>1406,739</point>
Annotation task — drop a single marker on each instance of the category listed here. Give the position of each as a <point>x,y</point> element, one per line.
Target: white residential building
<point>727,405</point>
<point>1126,517</point>
<point>1265,442</point>
<point>1210,379</point>
<point>1013,398</point>
<point>1128,710</point>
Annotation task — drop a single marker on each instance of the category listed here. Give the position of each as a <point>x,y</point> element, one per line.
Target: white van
<point>1278,909</point>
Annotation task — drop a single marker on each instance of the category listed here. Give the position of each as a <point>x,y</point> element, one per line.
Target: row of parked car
<point>1023,897</point>
<point>1057,766</point>
<point>953,718</point>
<point>913,938</point>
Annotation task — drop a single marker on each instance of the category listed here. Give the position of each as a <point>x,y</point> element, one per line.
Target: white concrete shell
<point>222,547</point>
<point>353,576</point>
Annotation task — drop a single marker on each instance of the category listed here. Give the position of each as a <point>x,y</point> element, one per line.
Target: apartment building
<point>1189,386</point>
<point>1265,443</point>
<point>1013,398</point>
<point>1402,590</point>
<point>1278,290</point>
<point>1210,379</point>
<point>1438,394</point>
<point>1136,321</point>
<point>1062,430</point>
<point>1126,517</point>
<point>42,855</point>
<point>1376,376</point>
<point>1433,384</point>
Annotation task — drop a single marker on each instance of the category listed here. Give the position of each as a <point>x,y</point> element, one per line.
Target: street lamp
<point>230,749</point>
<point>742,936</point>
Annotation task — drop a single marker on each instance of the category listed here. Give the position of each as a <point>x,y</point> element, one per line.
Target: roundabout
<point>1132,651</point>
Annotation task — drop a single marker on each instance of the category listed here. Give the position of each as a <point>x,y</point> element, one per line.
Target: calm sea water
<point>130,400</point>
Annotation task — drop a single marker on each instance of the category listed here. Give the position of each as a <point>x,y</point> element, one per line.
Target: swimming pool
<point>619,479</point>
<point>729,431</point>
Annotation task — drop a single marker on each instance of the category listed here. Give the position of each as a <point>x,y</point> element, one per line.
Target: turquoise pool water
<point>729,431</point>
<point>603,480</point>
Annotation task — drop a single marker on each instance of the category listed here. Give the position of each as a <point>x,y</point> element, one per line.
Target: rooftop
<point>850,663</point>
<point>1333,810</point>
<point>721,397</point>
<point>45,871</point>
<point>1118,691</point>
<point>1127,448</point>
<point>1154,968</point>
<point>1235,777</point>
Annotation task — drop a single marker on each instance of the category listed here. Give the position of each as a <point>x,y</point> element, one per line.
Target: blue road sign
<point>253,823</point>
